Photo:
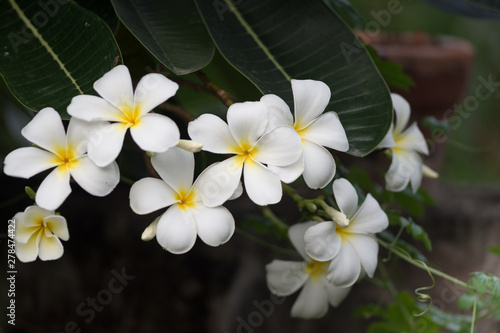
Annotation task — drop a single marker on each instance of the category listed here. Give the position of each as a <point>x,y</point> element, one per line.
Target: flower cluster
<point>405,147</point>
<point>264,145</point>
<point>337,253</point>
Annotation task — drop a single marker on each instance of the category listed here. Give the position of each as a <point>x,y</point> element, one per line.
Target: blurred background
<point>223,289</point>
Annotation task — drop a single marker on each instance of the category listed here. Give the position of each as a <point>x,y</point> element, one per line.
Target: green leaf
<point>392,72</point>
<point>470,8</point>
<point>103,9</point>
<point>417,232</point>
<point>493,5</point>
<point>346,10</point>
<point>171,30</point>
<point>52,52</point>
<point>495,250</point>
<point>274,41</point>
<point>486,284</point>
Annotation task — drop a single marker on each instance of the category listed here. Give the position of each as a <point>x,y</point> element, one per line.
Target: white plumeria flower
<point>348,241</point>
<point>286,277</point>
<point>122,109</point>
<point>316,129</point>
<point>244,136</point>
<point>66,152</point>
<point>37,234</point>
<point>406,147</point>
<point>186,216</point>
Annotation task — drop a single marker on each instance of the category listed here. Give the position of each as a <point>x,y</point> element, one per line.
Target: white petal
<point>296,234</point>
<point>280,147</point>
<point>175,167</point>
<point>106,147</point>
<point>322,242</point>
<point>58,226</point>
<point>345,268</point>
<point>80,132</point>
<point>155,132</point>
<point>50,247</point>
<point>247,121</point>
<point>237,193</point>
<point>319,165</point>
<point>98,181</point>
<point>367,249</point>
<point>402,112</point>
<point>416,176</point>
<point>346,197</point>
<point>28,161</point>
<point>327,131</point>
<point>116,87</point>
<point>403,165</point>
<point>370,218</point>
<point>152,90</point>
<point>92,108</point>
<point>312,301</point>
<point>279,112</point>
<point>413,139</point>
<point>262,185</point>
<point>310,99</point>
<point>46,130</point>
<point>289,173</point>
<point>34,215</point>
<point>337,294</point>
<point>388,140</point>
<point>217,183</point>
<point>54,189</point>
<point>214,133</point>
<point>285,277</point>
<point>23,232</point>
<point>28,251</point>
<point>176,230</point>
<point>215,225</point>
<point>150,194</point>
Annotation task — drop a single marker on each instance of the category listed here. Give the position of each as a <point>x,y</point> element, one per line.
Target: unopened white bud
<point>190,145</point>
<point>337,217</point>
<point>428,172</point>
<point>150,232</point>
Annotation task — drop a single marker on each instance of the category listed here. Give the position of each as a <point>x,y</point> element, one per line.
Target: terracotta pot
<point>440,67</point>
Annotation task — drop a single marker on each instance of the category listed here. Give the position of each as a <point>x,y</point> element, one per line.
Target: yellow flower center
<point>343,233</point>
<point>131,115</point>
<point>317,268</point>
<point>66,157</point>
<point>300,129</point>
<point>245,150</point>
<point>186,198</point>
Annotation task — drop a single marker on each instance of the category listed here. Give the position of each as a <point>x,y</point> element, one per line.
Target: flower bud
<point>190,145</point>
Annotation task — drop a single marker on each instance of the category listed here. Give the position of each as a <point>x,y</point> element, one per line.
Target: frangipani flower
<point>37,234</point>
<point>244,136</point>
<point>186,216</point>
<point>286,277</point>
<point>66,152</point>
<point>348,240</point>
<point>122,109</point>
<point>316,129</point>
<point>406,147</point>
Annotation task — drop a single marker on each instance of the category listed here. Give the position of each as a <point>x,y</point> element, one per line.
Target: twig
<point>215,89</point>
<point>178,111</point>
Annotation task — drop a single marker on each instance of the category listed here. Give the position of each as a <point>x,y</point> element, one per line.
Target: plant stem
<point>269,214</point>
<point>177,111</point>
<point>406,257</point>
<point>264,243</point>
<point>126,180</point>
<point>473,314</point>
<point>215,89</point>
